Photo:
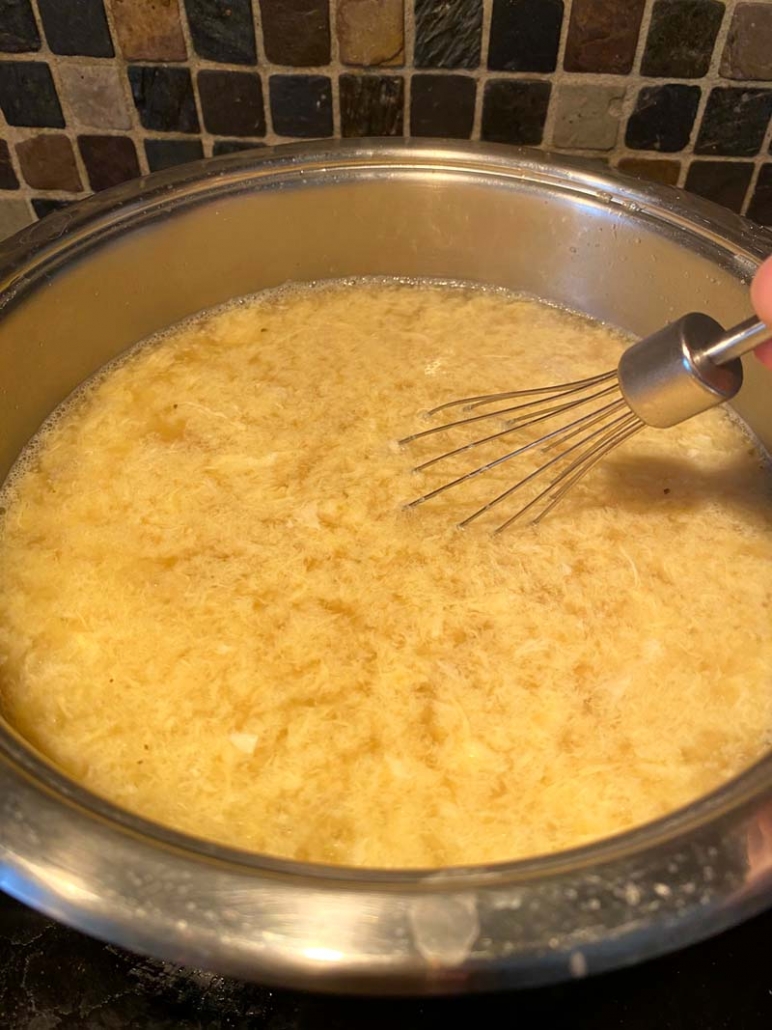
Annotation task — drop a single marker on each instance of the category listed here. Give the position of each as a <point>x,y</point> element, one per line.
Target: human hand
<point>761,298</point>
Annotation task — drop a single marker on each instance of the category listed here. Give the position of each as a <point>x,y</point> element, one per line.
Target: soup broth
<point>216,612</point>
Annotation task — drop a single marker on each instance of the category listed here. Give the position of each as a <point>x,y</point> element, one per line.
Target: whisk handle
<point>737,341</point>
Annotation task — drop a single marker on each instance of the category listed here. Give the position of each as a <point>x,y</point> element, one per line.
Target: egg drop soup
<point>216,612</point>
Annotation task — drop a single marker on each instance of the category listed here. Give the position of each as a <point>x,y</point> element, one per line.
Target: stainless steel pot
<point>87,283</point>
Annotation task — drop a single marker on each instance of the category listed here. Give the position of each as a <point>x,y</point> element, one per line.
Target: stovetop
<point>52,978</point>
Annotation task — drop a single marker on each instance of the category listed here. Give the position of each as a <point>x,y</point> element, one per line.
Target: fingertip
<point>764,352</point>
<point>761,293</point>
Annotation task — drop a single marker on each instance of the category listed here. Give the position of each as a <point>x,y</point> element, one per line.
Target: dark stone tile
<point>515,111</point>
<point>296,32</point>
<point>164,98</point>
<point>653,170</point>
<point>222,30</point>
<point>748,50</point>
<point>48,163</point>
<point>734,121</point>
<point>232,146</point>
<point>681,38</point>
<point>760,207</point>
<point>149,30</point>
<point>602,35</point>
<point>109,160</point>
<point>165,153</point>
<point>18,31</point>
<point>76,27</point>
<point>232,103</point>
<point>525,35</point>
<point>663,118</point>
<point>8,179</point>
<point>448,33</point>
<point>46,206</point>
<point>725,182</point>
<point>372,105</point>
<point>442,106</point>
<point>28,95</point>
<point>301,105</point>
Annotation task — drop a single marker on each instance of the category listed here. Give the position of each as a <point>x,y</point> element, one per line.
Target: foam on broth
<point>215,612</point>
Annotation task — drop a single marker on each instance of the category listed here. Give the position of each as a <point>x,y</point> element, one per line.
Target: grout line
<point>557,77</point>
<point>408,31</point>
<point>335,67</point>
<point>70,130</point>
<point>257,23</point>
<point>568,10</point>
<point>409,64</point>
<point>193,70</point>
<point>714,72</point>
<point>44,48</point>
<point>688,151</point>
<point>720,41</point>
<point>262,66</point>
<point>635,82</point>
<point>643,37</point>
<point>765,156</point>
<point>709,80</point>
<point>136,129</point>
<point>487,18</point>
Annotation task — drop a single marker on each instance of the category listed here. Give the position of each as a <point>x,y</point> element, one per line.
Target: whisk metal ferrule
<point>666,377</point>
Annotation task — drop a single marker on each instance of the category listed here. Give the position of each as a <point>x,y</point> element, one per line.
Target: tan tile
<point>149,30</point>
<point>587,117</point>
<point>48,163</point>
<point>371,32</point>
<point>94,96</point>
<point>15,214</point>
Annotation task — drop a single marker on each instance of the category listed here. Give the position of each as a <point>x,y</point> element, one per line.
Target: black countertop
<point>52,978</point>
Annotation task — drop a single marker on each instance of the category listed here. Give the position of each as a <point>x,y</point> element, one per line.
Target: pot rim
<point>30,257</point>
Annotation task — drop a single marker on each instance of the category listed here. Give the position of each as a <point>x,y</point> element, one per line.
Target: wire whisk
<point>684,369</point>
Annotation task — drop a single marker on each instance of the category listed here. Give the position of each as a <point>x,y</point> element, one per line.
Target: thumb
<point>761,298</point>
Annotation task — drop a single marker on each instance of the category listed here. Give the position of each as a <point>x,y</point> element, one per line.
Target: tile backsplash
<point>94,92</point>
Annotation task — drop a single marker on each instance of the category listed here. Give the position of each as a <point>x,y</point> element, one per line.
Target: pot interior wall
<point>605,261</point>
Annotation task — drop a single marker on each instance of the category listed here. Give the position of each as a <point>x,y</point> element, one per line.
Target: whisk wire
<point>584,422</point>
<point>582,465</point>
<point>604,430</point>
<point>558,392</point>
<point>599,430</point>
<point>487,398</point>
<point>521,422</point>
